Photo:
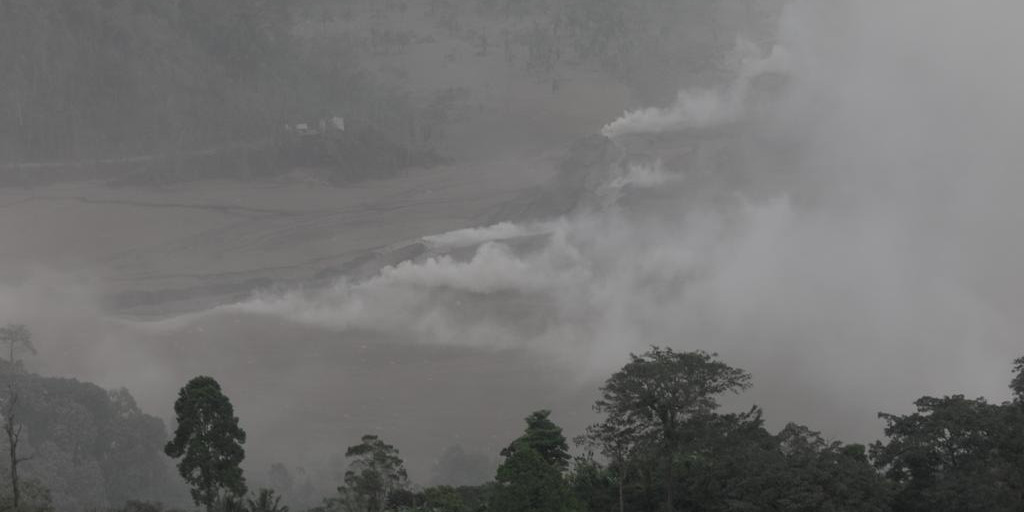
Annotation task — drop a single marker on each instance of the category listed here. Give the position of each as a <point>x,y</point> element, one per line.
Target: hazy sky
<point>855,244</point>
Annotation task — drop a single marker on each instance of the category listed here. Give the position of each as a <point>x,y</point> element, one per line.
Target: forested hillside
<point>87,447</point>
<point>88,77</point>
<point>661,443</point>
<point>116,78</point>
<point>411,256</point>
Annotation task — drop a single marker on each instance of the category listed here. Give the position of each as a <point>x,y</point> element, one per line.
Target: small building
<point>322,126</point>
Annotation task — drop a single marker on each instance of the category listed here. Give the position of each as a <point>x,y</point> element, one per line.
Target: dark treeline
<point>101,79</point>
<point>86,77</point>
<point>74,445</point>
<point>661,444</point>
<point>110,79</point>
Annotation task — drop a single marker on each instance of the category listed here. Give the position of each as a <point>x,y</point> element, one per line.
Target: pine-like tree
<point>209,442</point>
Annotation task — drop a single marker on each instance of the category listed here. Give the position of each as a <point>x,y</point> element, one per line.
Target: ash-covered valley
<point>425,221</point>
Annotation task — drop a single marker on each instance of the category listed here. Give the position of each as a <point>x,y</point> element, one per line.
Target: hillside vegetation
<point>116,78</point>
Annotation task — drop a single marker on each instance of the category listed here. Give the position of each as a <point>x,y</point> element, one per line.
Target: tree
<point>241,34</point>
<point>952,455</point>
<point>617,442</point>
<point>529,483</point>
<point>826,475</point>
<point>266,501</point>
<point>661,394</point>
<point>594,486</point>
<point>35,497</point>
<point>229,503</point>
<point>128,447</point>
<point>957,454</point>
<point>209,442</point>
<point>17,338</point>
<point>443,498</point>
<point>92,447</point>
<point>741,466</point>
<point>375,473</point>
<point>544,437</point>
<point>140,506</point>
<point>1017,384</point>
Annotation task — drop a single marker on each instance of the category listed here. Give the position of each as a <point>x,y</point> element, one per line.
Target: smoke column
<point>870,254</point>
<point>857,245</point>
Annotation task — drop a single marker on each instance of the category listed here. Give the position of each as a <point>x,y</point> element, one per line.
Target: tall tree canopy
<point>661,395</point>
<point>529,483</point>
<point>375,473</point>
<point>954,454</point>
<point>544,437</point>
<point>1017,384</point>
<point>16,339</point>
<point>209,442</point>
<point>83,78</point>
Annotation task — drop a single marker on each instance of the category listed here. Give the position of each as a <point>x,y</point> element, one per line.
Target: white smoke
<point>890,239</point>
<point>569,290</point>
<point>475,236</point>
<point>866,249</point>
<point>644,176</point>
<point>705,108</point>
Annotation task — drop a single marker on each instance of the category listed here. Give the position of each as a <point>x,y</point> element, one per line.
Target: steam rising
<point>697,109</point>
<point>859,245</point>
<point>886,232</point>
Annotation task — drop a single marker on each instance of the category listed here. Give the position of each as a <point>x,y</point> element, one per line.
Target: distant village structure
<point>320,127</point>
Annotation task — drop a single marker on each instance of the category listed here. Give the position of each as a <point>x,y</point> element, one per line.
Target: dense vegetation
<point>188,86</point>
<point>88,78</point>
<point>77,446</point>
<point>83,77</point>
<point>662,444</point>
<point>108,79</point>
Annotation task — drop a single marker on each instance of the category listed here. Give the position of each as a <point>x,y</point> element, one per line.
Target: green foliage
<point>618,443</point>
<point>375,473</point>
<point>651,45</point>
<point>1017,384</point>
<point>209,442</point>
<point>662,431</point>
<point>656,392</point>
<point>742,466</point>
<point>594,486</point>
<point>443,498</point>
<point>15,338</point>
<point>125,76</point>
<point>544,437</point>
<point>228,503</point>
<point>663,434</point>
<point>476,498</point>
<point>140,506</point>
<point>90,446</point>
<point>660,399</point>
<point>954,454</point>
<point>35,497</point>
<point>242,35</point>
<point>265,501</point>
<point>122,78</point>
<point>600,30</point>
<point>529,483</point>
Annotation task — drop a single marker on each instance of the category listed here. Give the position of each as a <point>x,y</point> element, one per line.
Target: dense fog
<point>825,194</point>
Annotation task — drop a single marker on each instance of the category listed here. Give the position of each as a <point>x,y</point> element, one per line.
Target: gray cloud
<point>854,242</point>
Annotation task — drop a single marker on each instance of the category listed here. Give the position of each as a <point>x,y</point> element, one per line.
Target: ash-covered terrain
<point>824,195</point>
